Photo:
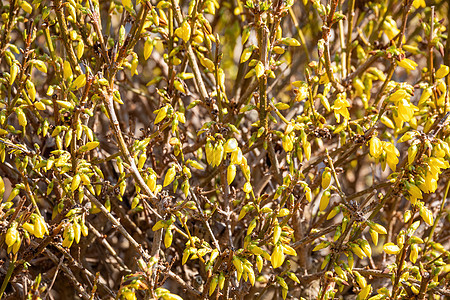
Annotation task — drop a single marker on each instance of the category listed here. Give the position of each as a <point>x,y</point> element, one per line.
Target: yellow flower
<point>302,93</point>
<point>287,143</point>
<point>419,3</point>
<point>406,110</point>
<point>442,72</point>
<point>28,227</point>
<point>231,145</point>
<point>390,27</point>
<point>375,147</point>
<point>247,187</point>
<point>364,292</point>
<point>289,250</point>
<point>426,94</point>
<point>430,184</point>
<point>12,235</point>
<point>407,64</point>
<point>413,190</point>
<point>391,155</point>
<point>40,227</point>
<point>340,107</point>
<point>426,215</point>
<point>398,95</point>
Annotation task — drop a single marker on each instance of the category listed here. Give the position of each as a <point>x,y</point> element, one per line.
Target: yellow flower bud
<point>277,257</point>
<point>251,274</point>
<point>40,227</point>
<point>364,244</point>
<point>326,178</point>
<point>321,246</point>
<point>28,227</point>
<point>14,70</point>
<point>159,225</point>
<point>378,228</point>
<point>325,261</point>
<point>218,154</point>
<point>398,95</point>
<point>16,246</point>
<point>251,226</point>
<point>293,277</point>
<point>231,173</point>
<point>391,248</point>
<point>142,160</point>
<point>31,90</point>
<point>324,200</point>
<point>238,264</point>
<point>243,211</point>
<point>79,82</point>
<point>76,231</point>
<point>75,182</point>
<point>168,237</point>
<point>333,212</point>
<point>84,230</point>
<point>21,117</point>
<point>374,236</point>
<point>340,273</point>
<point>289,250</point>
<point>276,233</point>
<point>221,282</point>
<point>67,70</point>
<point>170,176</point>
<point>259,263</point>
<point>213,284</point>
<point>337,233</point>
<point>412,152</point>
<point>357,250</point>
<point>12,234</point>
<point>414,253</point>
<point>308,194</point>
<point>89,146</point>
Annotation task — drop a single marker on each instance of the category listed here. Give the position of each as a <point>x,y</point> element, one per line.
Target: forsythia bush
<point>253,149</point>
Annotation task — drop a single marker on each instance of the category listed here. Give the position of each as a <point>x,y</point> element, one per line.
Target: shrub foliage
<point>224,149</point>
